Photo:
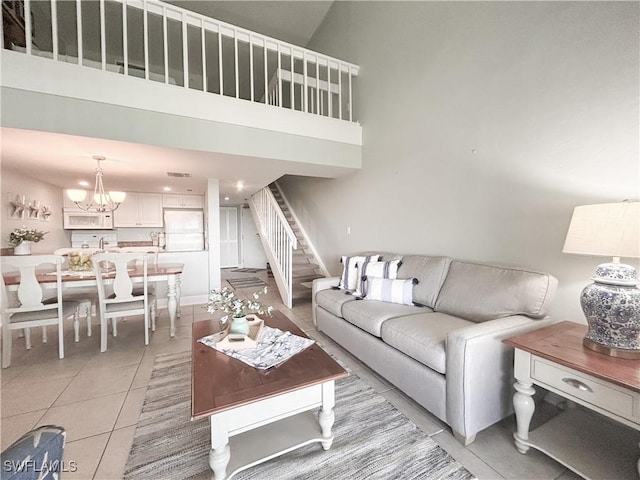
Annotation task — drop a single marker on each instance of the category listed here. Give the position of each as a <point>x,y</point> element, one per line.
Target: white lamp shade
<point>117,197</point>
<point>607,229</point>
<point>77,195</point>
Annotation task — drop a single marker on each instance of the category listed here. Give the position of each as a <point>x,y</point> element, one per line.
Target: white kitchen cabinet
<point>139,210</point>
<point>174,200</point>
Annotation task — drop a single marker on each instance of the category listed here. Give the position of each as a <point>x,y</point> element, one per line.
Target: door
<point>229,252</point>
<point>252,252</point>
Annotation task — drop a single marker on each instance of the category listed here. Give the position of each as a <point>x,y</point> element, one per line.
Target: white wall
<point>484,124</point>
<point>12,185</point>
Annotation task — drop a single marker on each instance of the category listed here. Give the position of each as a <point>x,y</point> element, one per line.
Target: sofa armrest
<point>318,285</point>
<point>480,372</point>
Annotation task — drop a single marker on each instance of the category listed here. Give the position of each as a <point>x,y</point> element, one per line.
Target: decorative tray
<point>237,341</point>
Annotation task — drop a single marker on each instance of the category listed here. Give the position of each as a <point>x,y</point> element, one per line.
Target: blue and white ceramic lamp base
<point>612,307</point>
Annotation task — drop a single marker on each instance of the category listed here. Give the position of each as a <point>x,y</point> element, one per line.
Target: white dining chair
<point>30,307</point>
<point>152,259</point>
<point>120,300</point>
<point>86,298</point>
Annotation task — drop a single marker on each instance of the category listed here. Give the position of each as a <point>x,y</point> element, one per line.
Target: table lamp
<point>612,303</point>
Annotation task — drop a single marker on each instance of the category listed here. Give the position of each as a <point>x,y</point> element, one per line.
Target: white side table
<point>593,446</point>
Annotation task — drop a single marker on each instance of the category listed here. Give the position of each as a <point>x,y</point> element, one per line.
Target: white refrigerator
<point>184,230</point>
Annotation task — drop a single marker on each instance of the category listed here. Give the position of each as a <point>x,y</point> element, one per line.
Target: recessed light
<point>226,198</point>
<point>239,186</point>
<point>167,189</point>
<point>83,183</point>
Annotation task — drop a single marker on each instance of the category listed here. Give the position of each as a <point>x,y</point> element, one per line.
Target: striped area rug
<point>247,282</point>
<point>372,439</point>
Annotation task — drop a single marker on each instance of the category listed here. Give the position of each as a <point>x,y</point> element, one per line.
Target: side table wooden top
<point>562,344</point>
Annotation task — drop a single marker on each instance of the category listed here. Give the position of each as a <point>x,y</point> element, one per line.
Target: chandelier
<point>101,201</point>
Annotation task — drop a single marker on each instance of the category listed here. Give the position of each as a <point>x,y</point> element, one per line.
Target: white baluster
<point>54,28</point>
<point>339,91</point>
<point>251,65</point>
<point>103,36</point>
<point>205,80</point>
<point>235,60</point>
<point>279,74</point>
<point>125,38</point>
<point>266,75</point>
<point>220,59</point>
<point>27,25</point>
<point>145,33</point>
<point>185,51</point>
<point>350,96</point>
<point>305,98</point>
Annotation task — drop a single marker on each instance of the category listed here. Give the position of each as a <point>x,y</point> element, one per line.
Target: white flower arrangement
<point>225,300</point>
<point>25,234</point>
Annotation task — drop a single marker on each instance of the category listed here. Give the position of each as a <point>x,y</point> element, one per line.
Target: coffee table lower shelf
<point>599,447</point>
<point>272,440</point>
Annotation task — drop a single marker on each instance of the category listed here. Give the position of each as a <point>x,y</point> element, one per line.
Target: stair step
<point>306,278</point>
<point>297,262</point>
<point>307,284</point>
<point>300,254</point>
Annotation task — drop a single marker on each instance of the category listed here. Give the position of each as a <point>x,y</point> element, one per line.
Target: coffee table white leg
<point>326,417</point>
<point>524,407</point>
<point>172,304</point>
<point>220,453</point>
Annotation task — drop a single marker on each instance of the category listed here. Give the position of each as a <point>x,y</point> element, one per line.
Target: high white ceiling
<point>63,160</point>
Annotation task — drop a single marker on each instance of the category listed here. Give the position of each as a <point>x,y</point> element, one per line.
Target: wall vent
<point>179,175</point>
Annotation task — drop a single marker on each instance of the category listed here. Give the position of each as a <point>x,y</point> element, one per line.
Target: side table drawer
<point>564,380</point>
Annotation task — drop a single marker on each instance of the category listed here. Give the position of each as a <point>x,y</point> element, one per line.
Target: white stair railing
<point>161,42</point>
<point>278,240</point>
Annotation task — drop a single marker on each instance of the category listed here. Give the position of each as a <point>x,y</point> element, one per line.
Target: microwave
<point>81,220</point>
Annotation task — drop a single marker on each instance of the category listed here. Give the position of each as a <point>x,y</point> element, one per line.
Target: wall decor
<point>17,205</point>
<point>34,209</point>
<point>45,213</point>
<point>20,207</point>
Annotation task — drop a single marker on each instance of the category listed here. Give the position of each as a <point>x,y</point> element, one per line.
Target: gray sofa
<point>447,353</point>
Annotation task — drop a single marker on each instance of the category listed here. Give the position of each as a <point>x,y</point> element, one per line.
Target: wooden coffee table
<point>256,415</point>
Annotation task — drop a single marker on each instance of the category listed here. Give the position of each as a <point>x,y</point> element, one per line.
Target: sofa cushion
<point>422,336</point>
<point>349,277</point>
<point>480,292</point>
<point>332,300</point>
<point>369,315</point>
<point>430,272</point>
<point>391,290</point>
<point>375,269</point>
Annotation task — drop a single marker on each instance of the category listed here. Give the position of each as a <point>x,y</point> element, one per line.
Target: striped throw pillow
<point>375,269</point>
<point>349,278</point>
<point>390,290</point>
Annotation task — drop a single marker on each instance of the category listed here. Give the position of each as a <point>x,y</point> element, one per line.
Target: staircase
<point>291,257</point>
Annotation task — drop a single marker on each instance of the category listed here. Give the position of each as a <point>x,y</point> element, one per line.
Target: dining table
<point>169,272</point>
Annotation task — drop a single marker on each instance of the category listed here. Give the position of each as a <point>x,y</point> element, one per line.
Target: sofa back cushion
<point>478,292</point>
<point>430,273</point>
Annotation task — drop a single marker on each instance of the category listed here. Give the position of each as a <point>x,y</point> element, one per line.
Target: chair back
<point>30,293</point>
<point>116,265</point>
<point>152,252</point>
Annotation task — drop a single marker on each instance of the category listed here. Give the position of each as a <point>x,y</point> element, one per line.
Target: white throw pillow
<point>349,278</point>
<point>388,290</point>
<point>375,269</point>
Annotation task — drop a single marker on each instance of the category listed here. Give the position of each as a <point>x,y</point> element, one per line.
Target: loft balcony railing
<point>164,43</point>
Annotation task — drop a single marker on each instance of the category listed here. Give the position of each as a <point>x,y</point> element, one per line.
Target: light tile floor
<point>98,397</point>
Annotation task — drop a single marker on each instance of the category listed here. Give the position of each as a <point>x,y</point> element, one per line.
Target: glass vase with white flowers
<point>236,308</point>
